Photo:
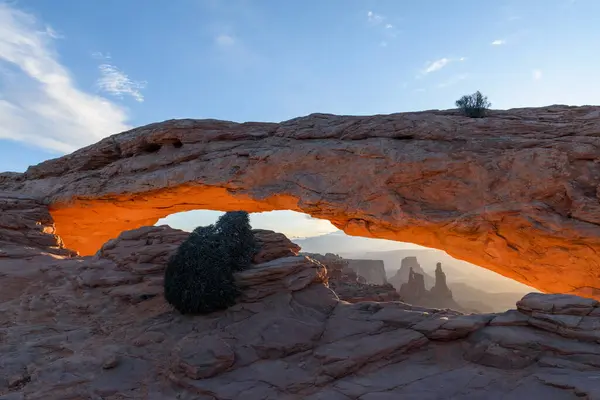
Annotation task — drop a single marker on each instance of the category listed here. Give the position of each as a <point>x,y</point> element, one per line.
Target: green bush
<point>199,276</point>
<point>234,228</point>
<point>474,105</point>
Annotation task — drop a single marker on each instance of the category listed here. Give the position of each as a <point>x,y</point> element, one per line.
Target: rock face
<point>98,327</point>
<point>440,290</point>
<point>440,296</point>
<point>273,245</point>
<point>372,270</point>
<point>403,274</point>
<point>516,192</point>
<point>27,227</point>
<point>344,281</point>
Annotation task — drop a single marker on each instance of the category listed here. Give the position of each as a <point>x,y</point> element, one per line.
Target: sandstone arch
<point>516,192</point>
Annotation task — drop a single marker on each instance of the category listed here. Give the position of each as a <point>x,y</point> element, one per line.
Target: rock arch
<point>516,192</point>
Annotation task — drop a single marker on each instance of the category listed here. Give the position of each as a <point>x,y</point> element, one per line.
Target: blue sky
<point>72,72</point>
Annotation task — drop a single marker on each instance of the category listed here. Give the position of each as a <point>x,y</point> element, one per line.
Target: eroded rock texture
<point>98,328</point>
<point>346,283</point>
<point>402,275</point>
<point>372,270</point>
<point>439,296</point>
<point>516,192</point>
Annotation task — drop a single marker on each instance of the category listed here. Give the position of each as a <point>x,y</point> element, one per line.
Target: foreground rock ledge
<point>516,192</point>
<point>98,328</point>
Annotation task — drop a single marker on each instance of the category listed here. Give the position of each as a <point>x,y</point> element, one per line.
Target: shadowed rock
<point>95,327</point>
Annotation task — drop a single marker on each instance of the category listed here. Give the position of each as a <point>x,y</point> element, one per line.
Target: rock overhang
<point>516,192</point>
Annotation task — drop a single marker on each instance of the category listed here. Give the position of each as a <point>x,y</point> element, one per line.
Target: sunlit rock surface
<point>516,192</point>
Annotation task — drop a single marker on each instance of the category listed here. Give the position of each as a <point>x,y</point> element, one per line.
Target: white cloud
<point>537,74</point>
<point>39,102</point>
<point>115,82</point>
<point>53,34</point>
<point>387,30</point>
<point>498,42</point>
<point>225,40</point>
<point>435,65</point>
<point>101,56</point>
<point>374,18</point>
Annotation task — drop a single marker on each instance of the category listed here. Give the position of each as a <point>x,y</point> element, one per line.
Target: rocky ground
<point>98,328</point>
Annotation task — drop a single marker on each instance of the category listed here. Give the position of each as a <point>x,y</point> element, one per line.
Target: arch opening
<point>85,225</point>
<point>381,264</point>
<point>510,193</point>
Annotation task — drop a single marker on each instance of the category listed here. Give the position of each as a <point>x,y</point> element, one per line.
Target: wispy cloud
<point>433,66</point>
<point>374,18</point>
<point>116,83</point>
<point>39,102</point>
<point>536,74</point>
<point>386,29</point>
<point>498,42</point>
<point>101,56</point>
<point>436,65</point>
<point>53,34</point>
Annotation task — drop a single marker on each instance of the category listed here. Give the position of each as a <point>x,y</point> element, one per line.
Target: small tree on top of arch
<point>474,105</point>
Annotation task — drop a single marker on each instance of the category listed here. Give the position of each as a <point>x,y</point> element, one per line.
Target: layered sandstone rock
<point>372,270</point>
<point>26,227</point>
<point>346,283</point>
<point>402,275</point>
<point>439,296</point>
<point>273,245</point>
<point>73,333</point>
<point>516,192</point>
<point>440,290</point>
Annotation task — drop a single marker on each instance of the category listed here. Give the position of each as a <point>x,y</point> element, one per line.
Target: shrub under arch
<point>199,276</point>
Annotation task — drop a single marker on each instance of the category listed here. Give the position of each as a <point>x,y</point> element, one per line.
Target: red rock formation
<point>98,327</point>
<point>349,287</point>
<point>412,291</point>
<point>403,274</point>
<point>272,246</point>
<point>440,290</point>
<point>516,192</point>
<point>372,270</point>
<point>27,227</point>
<point>440,296</point>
